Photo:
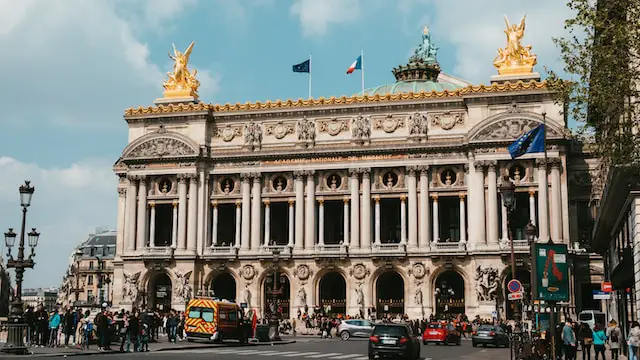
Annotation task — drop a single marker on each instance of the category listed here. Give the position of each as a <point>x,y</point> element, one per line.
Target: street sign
<point>515,296</point>
<point>552,274</point>
<point>606,287</point>
<point>601,295</point>
<point>514,286</point>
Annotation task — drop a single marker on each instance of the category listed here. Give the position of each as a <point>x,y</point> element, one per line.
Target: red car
<point>441,334</point>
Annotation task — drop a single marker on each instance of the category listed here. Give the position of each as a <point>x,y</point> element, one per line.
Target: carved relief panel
<point>333,126</point>
<point>164,186</point>
<point>446,120</point>
<point>448,176</point>
<point>280,129</point>
<point>334,181</point>
<point>227,132</point>
<point>226,185</point>
<point>279,184</point>
<point>389,123</point>
<point>389,179</point>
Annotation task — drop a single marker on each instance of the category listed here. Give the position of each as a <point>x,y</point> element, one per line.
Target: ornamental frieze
<point>161,147</point>
<point>389,123</point>
<point>228,132</point>
<point>279,130</point>
<point>447,120</point>
<point>418,125</point>
<point>510,129</point>
<point>333,126</point>
<point>361,128</point>
<point>306,130</point>
<point>252,135</point>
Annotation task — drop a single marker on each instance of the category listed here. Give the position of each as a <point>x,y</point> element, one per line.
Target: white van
<point>592,317</point>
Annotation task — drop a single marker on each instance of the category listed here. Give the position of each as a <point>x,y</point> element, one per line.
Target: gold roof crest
<point>515,58</point>
<point>181,83</point>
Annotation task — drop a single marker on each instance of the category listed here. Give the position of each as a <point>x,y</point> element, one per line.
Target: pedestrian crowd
<point>572,336</point>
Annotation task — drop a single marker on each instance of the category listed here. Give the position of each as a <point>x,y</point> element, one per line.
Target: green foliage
<point>600,52</point>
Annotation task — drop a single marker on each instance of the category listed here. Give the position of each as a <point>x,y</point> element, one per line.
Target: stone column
<point>413,206</point>
<point>238,238</point>
<point>492,211</point>
<point>245,235</point>
<point>321,222</point>
<point>346,220</point>
<point>365,240</point>
<point>532,207</point>
<point>425,236</point>
<point>122,208</point>
<point>214,225</point>
<point>182,211</point>
<point>174,226</point>
<point>543,210</point>
<point>463,220</point>
<point>556,200</point>
<point>505,225</point>
<point>292,220</point>
<point>141,237</point>
<point>203,203</point>
<point>256,210</point>
<point>310,212</point>
<point>354,186</point>
<point>299,188</point>
<point>403,219</point>
<point>436,225</point>
<point>267,222</point>
<point>152,225</point>
<point>479,203</point>
<point>192,216</point>
<point>376,216</point>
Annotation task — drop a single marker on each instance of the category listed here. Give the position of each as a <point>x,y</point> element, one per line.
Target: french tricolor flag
<point>357,65</point>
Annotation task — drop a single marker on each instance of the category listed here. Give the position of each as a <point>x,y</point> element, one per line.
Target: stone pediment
<point>161,145</point>
<point>510,128</point>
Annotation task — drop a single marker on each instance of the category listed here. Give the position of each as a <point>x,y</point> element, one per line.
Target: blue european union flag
<point>531,142</point>
<point>303,67</point>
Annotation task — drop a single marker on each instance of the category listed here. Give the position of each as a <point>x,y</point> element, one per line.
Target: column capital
<point>366,172</point>
<point>321,202</point>
<point>174,204</point>
<point>479,165</point>
<point>354,172</point>
<point>214,203</point>
<point>238,204</point>
<point>298,174</point>
<point>345,200</point>
<point>466,167</point>
<point>152,204</point>
<point>555,162</point>
<point>136,177</point>
<point>245,176</point>
<point>434,197</point>
<point>532,193</point>
<point>423,169</point>
<point>266,202</point>
<point>462,196</point>
<point>193,178</point>
<point>309,172</point>
<point>412,169</point>
<point>122,192</point>
<point>540,162</point>
<point>377,199</point>
<point>256,178</point>
<point>403,198</point>
<point>491,164</point>
<point>182,178</point>
<point>291,202</point>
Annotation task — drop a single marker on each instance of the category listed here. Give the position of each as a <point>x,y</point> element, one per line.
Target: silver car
<point>355,328</point>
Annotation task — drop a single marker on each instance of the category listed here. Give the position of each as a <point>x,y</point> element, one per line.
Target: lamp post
<point>274,319</point>
<point>507,191</point>
<point>444,293</point>
<point>15,343</point>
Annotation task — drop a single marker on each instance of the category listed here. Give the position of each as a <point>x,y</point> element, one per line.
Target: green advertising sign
<point>552,274</point>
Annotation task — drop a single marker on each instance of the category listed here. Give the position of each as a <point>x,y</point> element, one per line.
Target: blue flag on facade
<point>303,67</point>
<point>531,142</point>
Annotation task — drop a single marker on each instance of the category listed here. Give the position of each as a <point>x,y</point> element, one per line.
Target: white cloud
<point>67,205</point>
<point>316,16</point>
<point>475,28</point>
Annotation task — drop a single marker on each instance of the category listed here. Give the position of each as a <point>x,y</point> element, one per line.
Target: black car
<point>489,334</point>
<point>394,340</point>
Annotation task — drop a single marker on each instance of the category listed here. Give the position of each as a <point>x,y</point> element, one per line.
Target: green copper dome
<point>414,86</point>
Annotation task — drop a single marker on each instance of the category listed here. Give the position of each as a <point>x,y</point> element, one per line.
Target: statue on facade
<point>306,130</point>
<point>418,296</point>
<point>246,295</point>
<point>360,128</point>
<point>359,297</point>
<point>181,82</point>
<point>302,297</point>
<point>427,51</point>
<point>486,283</point>
<point>418,124</point>
<point>183,287</point>
<point>253,134</point>
<point>130,287</point>
<point>515,58</point>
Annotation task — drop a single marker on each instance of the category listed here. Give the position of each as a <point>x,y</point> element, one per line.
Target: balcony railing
<point>447,247</point>
<point>517,245</point>
<point>390,249</point>
<point>224,251</point>
<point>105,268</point>
<point>158,251</point>
<point>332,249</point>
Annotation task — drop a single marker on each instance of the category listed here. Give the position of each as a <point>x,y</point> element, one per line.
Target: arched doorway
<point>449,294</point>
<point>224,286</point>
<point>159,294</point>
<point>333,293</point>
<point>390,294</point>
<point>277,292</point>
<point>524,276</point>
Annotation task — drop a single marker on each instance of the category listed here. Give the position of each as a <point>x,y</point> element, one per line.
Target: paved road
<point>314,349</point>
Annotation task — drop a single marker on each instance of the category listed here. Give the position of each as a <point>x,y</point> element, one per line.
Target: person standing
<point>585,336</point>
<point>614,336</point>
<point>634,340</point>
<point>599,339</point>
<point>569,340</point>
<point>54,324</point>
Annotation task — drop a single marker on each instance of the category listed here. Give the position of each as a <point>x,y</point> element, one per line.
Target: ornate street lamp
<point>507,191</point>
<point>274,318</point>
<point>15,342</point>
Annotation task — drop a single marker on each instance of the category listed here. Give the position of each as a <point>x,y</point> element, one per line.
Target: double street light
<point>15,343</point>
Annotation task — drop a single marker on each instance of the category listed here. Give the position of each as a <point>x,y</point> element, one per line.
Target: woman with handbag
<point>585,337</point>
<point>614,336</point>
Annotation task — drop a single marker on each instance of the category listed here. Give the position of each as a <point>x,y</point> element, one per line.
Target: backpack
<point>614,335</point>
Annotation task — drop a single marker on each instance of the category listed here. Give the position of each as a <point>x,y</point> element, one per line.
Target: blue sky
<point>70,68</point>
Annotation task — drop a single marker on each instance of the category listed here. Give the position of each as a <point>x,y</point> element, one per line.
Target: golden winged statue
<point>515,58</point>
<point>181,82</point>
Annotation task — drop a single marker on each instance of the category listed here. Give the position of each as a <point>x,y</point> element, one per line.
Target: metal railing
<point>449,247</point>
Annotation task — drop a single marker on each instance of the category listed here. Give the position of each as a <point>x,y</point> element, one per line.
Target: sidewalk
<point>153,347</point>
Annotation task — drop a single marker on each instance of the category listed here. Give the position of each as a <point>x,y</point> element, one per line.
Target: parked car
<point>394,340</point>
<point>440,333</point>
<point>489,334</point>
<point>355,328</point>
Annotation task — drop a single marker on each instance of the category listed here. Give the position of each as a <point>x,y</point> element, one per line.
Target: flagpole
<point>544,124</point>
<point>309,76</point>
<point>362,69</point>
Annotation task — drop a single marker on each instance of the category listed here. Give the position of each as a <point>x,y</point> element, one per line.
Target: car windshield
<point>396,331</point>
<point>205,314</point>
<point>487,328</point>
<point>435,326</point>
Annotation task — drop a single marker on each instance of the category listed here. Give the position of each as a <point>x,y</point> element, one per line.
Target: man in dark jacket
<point>42,326</point>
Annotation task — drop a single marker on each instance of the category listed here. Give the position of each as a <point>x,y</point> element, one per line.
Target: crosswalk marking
<point>346,356</point>
<point>280,353</point>
<point>323,355</point>
<point>248,352</point>
<point>302,354</point>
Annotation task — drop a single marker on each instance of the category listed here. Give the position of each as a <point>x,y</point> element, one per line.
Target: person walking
<point>614,337</point>
<point>599,339</point>
<point>54,325</point>
<point>569,340</point>
<point>634,340</point>
<point>585,337</point>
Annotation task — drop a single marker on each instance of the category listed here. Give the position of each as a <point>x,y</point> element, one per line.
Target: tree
<point>601,53</point>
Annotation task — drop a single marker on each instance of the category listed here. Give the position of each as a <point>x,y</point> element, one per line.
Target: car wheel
<point>372,357</point>
<point>345,335</point>
<point>425,343</point>
<point>458,342</point>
